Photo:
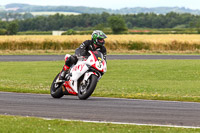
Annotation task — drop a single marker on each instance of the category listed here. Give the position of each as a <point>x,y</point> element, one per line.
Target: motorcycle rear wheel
<point>56,92</point>
<point>90,88</point>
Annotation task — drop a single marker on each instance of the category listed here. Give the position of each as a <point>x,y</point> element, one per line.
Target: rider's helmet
<point>98,37</point>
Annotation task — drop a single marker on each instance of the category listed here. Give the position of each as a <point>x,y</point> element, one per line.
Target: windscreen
<point>98,55</point>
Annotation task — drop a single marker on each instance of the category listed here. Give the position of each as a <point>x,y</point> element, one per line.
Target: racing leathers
<point>88,45</point>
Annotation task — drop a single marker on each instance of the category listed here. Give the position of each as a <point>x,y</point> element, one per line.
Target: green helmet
<point>98,37</point>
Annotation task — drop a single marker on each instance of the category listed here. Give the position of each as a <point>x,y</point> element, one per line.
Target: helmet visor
<point>100,40</point>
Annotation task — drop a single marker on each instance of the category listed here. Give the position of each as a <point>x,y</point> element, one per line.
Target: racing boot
<point>63,73</point>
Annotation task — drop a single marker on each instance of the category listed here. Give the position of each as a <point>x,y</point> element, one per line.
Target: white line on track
<point>108,122</point>
<point>123,123</point>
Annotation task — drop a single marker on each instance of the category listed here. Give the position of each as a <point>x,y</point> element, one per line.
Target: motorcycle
<point>82,78</point>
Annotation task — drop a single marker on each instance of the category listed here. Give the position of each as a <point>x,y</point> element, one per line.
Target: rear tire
<point>56,92</point>
<point>90,89</point>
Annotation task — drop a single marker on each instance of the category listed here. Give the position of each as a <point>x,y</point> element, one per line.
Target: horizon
<point>103,7</point>
<point>108,8</point>
<point>111,4</point>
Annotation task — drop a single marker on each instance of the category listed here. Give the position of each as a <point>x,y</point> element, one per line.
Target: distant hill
<point>81,9</point>
<point>34,8</point>
<point>157,10</point>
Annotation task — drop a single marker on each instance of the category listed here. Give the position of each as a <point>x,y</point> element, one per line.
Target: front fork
<point>87,76</point>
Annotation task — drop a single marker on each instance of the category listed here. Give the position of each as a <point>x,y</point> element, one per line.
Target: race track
<point>101,109</point>
<point>109,57</point>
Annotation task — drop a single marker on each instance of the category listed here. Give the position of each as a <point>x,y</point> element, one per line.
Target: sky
<point>112,4</point>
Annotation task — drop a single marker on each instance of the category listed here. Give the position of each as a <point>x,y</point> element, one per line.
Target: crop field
<point>156,43</point>
<point>177,80</point>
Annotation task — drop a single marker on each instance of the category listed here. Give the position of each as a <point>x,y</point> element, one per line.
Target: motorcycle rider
<point>96,43</point>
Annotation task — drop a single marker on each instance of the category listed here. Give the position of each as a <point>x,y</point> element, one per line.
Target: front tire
<point>90,88</point>
<point>56,92</point>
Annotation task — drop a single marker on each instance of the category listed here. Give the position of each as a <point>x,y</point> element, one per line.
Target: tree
<point>28,15</point>
<point>3,31</point>
<point>129,25</point>
<point>12,28</point>
<point>99,27</point>
<point>198,26</point>
<point>117,24</point>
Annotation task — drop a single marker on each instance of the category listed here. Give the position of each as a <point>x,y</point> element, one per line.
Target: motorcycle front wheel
<point>86,90</point>
<point>56,89</point>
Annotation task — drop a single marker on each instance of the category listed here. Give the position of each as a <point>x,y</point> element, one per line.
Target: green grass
<point>139,79</point>
<point>16,124</point>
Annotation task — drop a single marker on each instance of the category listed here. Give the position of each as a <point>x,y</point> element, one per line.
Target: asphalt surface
<point>101,109</point>
<point>109,57</point>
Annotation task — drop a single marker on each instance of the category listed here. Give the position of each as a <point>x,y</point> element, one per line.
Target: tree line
<point>104,20</point>
<point>6,16</point>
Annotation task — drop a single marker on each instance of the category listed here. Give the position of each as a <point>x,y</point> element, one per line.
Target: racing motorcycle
<point>82,78</point>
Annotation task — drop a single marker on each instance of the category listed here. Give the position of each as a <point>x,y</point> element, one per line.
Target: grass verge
<point>177,80</point>
<point>19,124</point>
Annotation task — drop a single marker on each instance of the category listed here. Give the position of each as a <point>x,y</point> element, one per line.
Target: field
<point>120,43</point>
<point>177,80</point>
<point>29,124</point>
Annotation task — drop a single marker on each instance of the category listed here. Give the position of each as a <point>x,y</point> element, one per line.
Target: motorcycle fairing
<point>68,87</point>
<point>96,61</point>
